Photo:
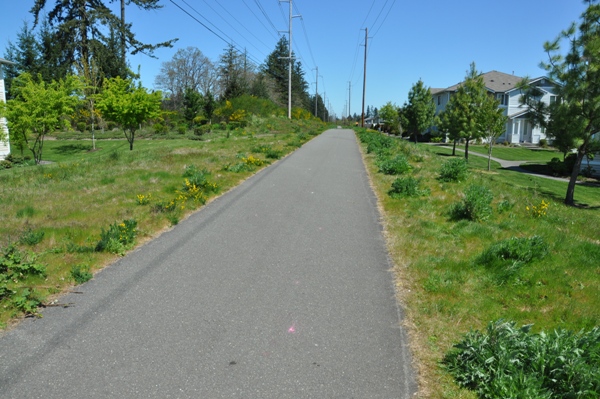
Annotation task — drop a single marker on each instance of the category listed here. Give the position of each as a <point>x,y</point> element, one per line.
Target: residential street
<point>281,288</point>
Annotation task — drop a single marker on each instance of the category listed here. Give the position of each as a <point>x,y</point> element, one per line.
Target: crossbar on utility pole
<point>362,124</point>
<point>291,60</point>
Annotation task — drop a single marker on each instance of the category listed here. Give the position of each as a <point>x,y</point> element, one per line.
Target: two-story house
<point>503,87</point>
<point>4,143</point>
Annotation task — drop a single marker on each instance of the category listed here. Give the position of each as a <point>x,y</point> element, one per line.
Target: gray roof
<point>7,62</point>
<point>497,82</point>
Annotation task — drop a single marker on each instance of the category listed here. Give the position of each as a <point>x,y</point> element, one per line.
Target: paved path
<point>279,289</point>
<point>510,165</point>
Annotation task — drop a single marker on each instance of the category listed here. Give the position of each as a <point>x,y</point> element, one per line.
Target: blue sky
<point>432,40</point>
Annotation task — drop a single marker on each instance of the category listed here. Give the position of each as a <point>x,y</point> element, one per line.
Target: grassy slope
<point>84,192</point>
<point>444,290</point>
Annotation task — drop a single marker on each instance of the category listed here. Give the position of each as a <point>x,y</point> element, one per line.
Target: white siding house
<point>504,88</point>
<point>4,143</point>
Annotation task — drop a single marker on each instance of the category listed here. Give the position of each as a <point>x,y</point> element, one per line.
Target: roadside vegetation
<point>495,263</point>
<point>65,220</point>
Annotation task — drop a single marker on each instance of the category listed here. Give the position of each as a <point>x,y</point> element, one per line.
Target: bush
<point>393,166</point>
<point>30,237</point>
<point>557,167</point>
<point>543,143</point>
<point>406,187</point>
<point>510,362</point>
<point>81,273</point>
<point>456,169</point>
<point>118,238</point>
<point>4,164</point>
<point>475,206</point>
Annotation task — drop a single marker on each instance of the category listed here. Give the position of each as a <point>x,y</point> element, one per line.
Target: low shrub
<point>118,238</point>
<point>406,187</point>
<point>393,166</point>
<point>510,362</point>
<point>30,237</point>
<point>475,206</point>
<point>456,169</point>
<point>81,273</point>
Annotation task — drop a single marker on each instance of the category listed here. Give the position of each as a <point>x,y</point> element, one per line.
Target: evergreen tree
<point>233,69</point>
<point>276,69</point>
<point>575,118</point>
<point>86,29</point>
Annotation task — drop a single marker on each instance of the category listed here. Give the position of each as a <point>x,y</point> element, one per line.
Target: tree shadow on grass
<point>70,149</point>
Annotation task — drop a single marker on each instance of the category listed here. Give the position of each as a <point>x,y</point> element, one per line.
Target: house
<point>503,87</point>
<point>4,143</point>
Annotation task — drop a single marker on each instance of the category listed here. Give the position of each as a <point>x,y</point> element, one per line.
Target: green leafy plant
<point>118,238</point>
<point>81,273</point>
<point>395,165</point>
<point>27,301</point>
<point>475,206</point>
<point>454,170</point>
<point>406,187</point>
<point>30,237</point>
<point>510,362</point>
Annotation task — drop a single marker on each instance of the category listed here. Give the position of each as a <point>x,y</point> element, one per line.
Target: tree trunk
<point>467,149</point>
<point>454,148</point>
<point>490,157</point>
<point>570,197</point>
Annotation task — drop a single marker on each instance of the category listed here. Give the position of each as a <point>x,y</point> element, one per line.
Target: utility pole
<point>362,124</point>
<point>349,98</point>
<point>291,60</point>
<point>317,95</point>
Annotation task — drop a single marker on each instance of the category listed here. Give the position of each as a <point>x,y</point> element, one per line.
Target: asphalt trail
<point>280,288</point>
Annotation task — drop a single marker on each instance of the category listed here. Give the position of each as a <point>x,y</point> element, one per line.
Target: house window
<point>554,99</point>
<point>439,99</point>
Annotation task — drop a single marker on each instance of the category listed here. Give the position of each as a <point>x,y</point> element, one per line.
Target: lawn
<point>444,283</point>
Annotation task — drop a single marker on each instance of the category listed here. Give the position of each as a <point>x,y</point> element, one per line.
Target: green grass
<point>445,287</point>
<point>535,155</point>
<point>82,192</point>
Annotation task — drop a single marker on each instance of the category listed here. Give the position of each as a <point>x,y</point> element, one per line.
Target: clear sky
<point>432,40</point>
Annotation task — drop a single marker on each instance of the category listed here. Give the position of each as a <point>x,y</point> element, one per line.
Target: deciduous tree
<point>420,109</point>
<point>38,108</point>
<point>129,105</point>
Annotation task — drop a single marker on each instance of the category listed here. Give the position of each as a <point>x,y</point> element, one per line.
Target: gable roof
<point>496,82</point>
<point>7,62</point>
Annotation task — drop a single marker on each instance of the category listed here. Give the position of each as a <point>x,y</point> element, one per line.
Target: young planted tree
<point>492,122</point>
<point>391,119</point>
<point>420,109</point>
<point>123,102</point>
<point>463,117</point>
<point>575,118</point>
<point>38,108</point>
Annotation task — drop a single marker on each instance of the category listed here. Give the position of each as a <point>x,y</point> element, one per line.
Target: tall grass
<point>445,278</point>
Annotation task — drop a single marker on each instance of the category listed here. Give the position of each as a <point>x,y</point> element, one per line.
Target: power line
<point>386,15</point>
<point>369,13</point>
<point>262,10</point>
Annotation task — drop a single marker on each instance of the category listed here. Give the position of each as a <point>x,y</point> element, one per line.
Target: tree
<point>209,106</point>
<point>82,26</point>
<point>233,73</point>
<point>188,69</point>
<point>38,108</point>
<point>276,70</point>
<point>192,105</point>
<point>390,115</point>
<point>123,102</point>
<point>420,110</point>
<point>462,118</point>
<point>575,118</point>
<point>492,122</point>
